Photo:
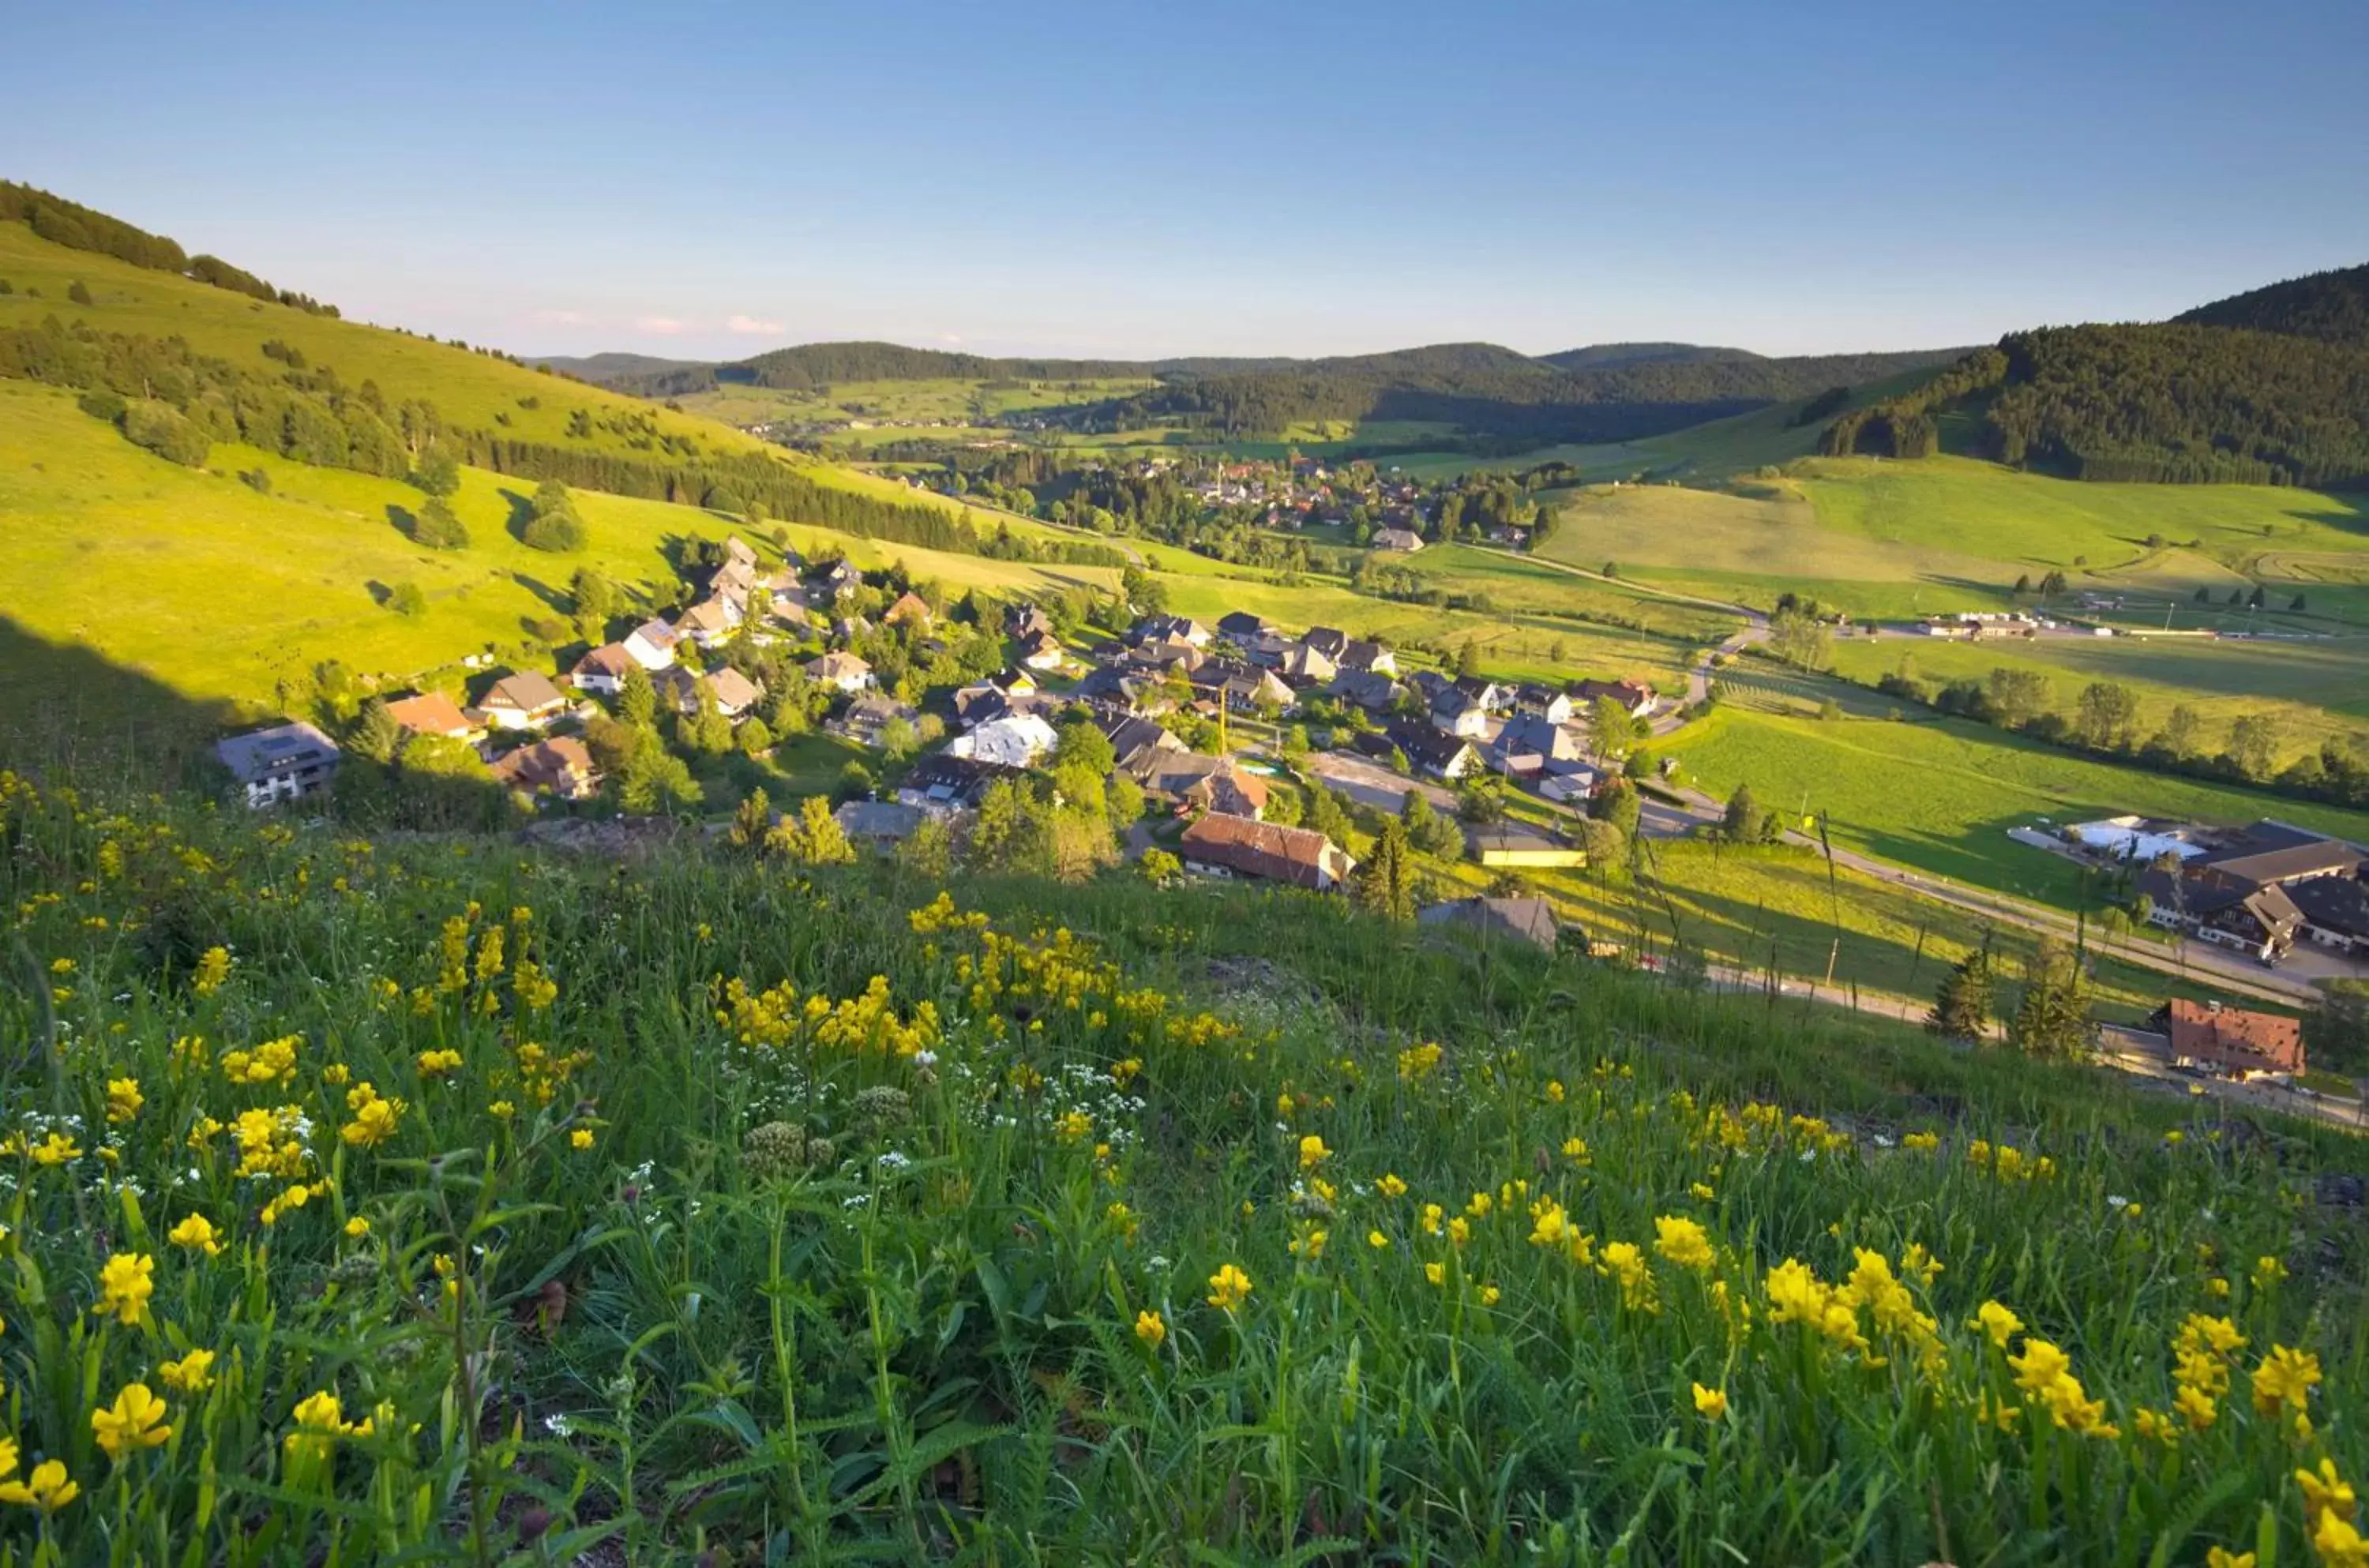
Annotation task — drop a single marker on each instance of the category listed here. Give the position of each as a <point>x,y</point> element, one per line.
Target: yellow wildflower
<point>2339,1544</point>
<point>56,1150</point>
<point>124,1099</point>
<point>1998,1322</point>
<point>1229,1287</point>
<point>1710,1403</point>
<point>196,1234</point>
<point>1150,1329</point>
<point>1684,1242</point>
<point>357,1227</point>
<point>1921,1141</point>
<point>437,1063</point>
<point>125,1282</point>
<point>2284,1378</point>
<point>1391,1185</point>
<point>47,1489</point>
<point>1313,1152</point>
<point>193,1374</point>
<point>1376,1241</point>
<point>136,1420</point>
<point>2222,1557</point>
<point>1625,1262</point>
<point>2325,1491</point>
<point>1489,1294</point>
<point>1436,1273</point>
<point>2268,1271</point>
<point>213,968</point>
<point>580,1139</point>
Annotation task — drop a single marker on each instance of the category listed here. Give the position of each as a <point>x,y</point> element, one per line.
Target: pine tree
<point>637,698</point>
<point>378,734</point>
<point>752,820</point>
<point>1385,883</point>
<point>2052,1017</point>
<point>1962,1007</point>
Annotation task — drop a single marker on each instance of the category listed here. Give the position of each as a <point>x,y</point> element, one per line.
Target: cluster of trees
<point>2175,403</point>
<point>1908,426</point>
<point>77,227</point>
<point>2104,720</point>
<point>552,523</point>
<point>2051,1013</point>
<point>2331,307</point>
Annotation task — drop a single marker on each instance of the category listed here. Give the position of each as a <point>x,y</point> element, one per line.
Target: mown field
<point>2317,690</point>
<point>1940,795</point>
<point>1901,539</point>
<point>430,1201</point>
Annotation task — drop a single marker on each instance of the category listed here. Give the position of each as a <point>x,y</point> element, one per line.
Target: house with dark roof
<point>1633,695</point>
<point>1024,621</point>
<point>2335,912</point>
<point>1240,624</point>
<point>1427,749</point>
<point>1459,713</point>
<point>1534,701</point>
<point>882,824</point>
<point>285,761</point>
<point>942,783</point>
<point>1527,743</point>
<point>602,670</point>
<point>1222,845</point>
<point>1515,920</point>
<point>867,719</point>
<point>1242,687</point>
<point>1369,689</point>
<point>1132,736</point>
<point>1371,658</point>
<point>1329,641</point>
<point>1202,782</point>
<point>1169,629</point>
<point>2239,890</point>
<point>2231,1040</point>
<point>560,766</point>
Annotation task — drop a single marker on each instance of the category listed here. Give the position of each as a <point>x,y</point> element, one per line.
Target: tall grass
<point>758,1218</point>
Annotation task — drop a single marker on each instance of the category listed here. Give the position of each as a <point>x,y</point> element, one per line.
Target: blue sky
<point>1137,179</point>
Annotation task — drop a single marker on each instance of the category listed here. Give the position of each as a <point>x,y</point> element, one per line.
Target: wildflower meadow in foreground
<point>427,1202</point>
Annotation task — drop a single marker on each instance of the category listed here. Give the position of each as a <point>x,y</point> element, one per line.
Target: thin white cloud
<point>663,325</point>
<point>562,318</point>
<point>949,336</point>
<point>751,327</point>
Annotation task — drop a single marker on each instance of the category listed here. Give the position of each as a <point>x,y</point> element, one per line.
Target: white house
<point>1405,539</point>
<point>652,645</point>
<point>1014,740</point>
<point>523,701</point>
<point>843,670</point>
<point>603,669</point>
<point>284,762</point>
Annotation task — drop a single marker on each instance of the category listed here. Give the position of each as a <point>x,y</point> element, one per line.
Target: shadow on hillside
<point>521,509</point>
<point>558,601</point>
<point>67,711</point>
<point>404,520</point>
<point>71,715</point>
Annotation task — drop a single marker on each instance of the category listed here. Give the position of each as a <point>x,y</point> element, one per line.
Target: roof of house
<point>1241,623</point>
<point>708,615</point>
<point>1424,745</point>
<point>836,664</point>
<point>261,753</point>
<point>732,690</point>
<point>1360,653</point>
<point>2233,1036</point>
<point>1511,839</point>
<point>1299,855</point>
<point>910,606</point>
<point>1367,688</point>
<point>1329,641</point>
<point>556,763</point>
<point>1531,919</point>
<point>527,690</point>
<point>1533,735</point>
<point>430,713</point>
<point>1014,739</point>
<point>2273,852</point>
<point>877,820</point>
<point>2334,903</point>
<point>608,659</point>
<point>944,776</point>
<point>658,634</point>
<point>1129,735</point>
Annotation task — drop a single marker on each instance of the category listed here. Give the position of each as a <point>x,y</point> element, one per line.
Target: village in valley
<point>1116,730</point>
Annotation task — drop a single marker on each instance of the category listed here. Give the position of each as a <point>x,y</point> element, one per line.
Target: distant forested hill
<point>2331,307</point>
<point>2217,396</point>
<point>1607,392</point>
<point>607,370</point>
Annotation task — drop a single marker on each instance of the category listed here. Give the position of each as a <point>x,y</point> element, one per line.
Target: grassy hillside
<point>193,579</point>
<point>1940,796</point>
<point>726,1210</point>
